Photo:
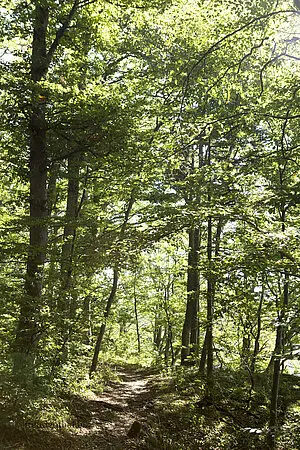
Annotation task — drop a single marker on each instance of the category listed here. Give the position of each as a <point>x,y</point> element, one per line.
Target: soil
<point>116,419</point>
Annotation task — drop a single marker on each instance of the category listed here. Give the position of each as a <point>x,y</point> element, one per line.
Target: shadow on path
<point>101,422</point>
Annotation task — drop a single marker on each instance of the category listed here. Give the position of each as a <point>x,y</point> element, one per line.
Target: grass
<point>176,418</point>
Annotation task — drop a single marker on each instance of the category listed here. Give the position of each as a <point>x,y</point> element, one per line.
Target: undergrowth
<point>180,418</point>
<point>44,402</point>
<point>237,418</point>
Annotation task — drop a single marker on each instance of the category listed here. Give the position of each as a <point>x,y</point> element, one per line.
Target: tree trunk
<point>28,329</point>
<point>190,330</point>
<point>157,335</point>
<point>53,229</point>
<point>136,315</point>
<point>70,222</point>
<point>210,310</point>
<point>277,366</point>
<point>113,289</point>
<point>103,325</point>
<point>211,286</point>
<point>194,292</point>
<point>88,319</point>
<point>258,331</point>
<point>67,302</point>
<point>203,355</point>
<point>52,188</point>
<point>168,328</point>
<point>279,346</point>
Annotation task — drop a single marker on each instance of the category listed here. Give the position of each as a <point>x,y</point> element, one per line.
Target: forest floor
<point>143,410</point>
<point>115,419</point>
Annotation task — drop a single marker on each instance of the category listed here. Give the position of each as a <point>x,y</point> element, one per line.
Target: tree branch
<point>216,45</point>
<point>62,30</point>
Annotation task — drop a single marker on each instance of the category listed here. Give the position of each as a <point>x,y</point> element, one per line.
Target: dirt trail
<point>111,414</point>
<point>101,422</point>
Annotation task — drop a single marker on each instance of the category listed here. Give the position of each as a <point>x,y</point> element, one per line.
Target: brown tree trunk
<point>203,357</point>
<point>211,287</point>
<point>70,222</point>
<point>53,229</point>
<point>103,325</point>
<point>194,292</point>
<point>113,290</point>
<point>52,188</point>
<point>190,330</point>
<point>279,346</point>
<point>210,310</point>
<point>136,314</point>
<point>258,331</point>
<point>157,335</point>
<point>271,441</point>
<point>66,305</point>
<point>168,329</point>
<point>28,329</point>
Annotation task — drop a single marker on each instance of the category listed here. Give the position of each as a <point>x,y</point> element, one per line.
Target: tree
<point>28,331</point>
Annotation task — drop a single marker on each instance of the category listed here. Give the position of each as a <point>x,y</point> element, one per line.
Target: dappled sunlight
<point>149,224</point>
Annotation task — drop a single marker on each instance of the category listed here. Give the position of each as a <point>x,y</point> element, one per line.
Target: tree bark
<point>271,441</point>
<point>190,330</point>
<point>66,305</point>
<point>194,292</point>
<point>258,331</point>
<point>168,329</point>
<point>136,315</point>
<point>103,325</point>
<point>113,290</point>
<point>203,357</point>
<point>211,287</point>
<point>28,329</point>
<point>210,311</point>
<point>279,346</point>
<point>70,224</point>
<point>157,335</point>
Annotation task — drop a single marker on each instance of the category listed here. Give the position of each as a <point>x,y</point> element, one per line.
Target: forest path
<point>100,421</point>
<point>105,420</point>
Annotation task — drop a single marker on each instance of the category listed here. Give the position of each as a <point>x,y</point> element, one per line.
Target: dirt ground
<point>116,419</point>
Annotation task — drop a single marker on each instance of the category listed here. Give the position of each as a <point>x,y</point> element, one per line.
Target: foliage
<point>157,118</point>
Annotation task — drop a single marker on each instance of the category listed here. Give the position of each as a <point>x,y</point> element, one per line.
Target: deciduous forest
<point>150,224</point>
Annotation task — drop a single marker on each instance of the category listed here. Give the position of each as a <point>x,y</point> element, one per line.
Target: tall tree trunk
<point>190,330</point>
<point>203,357</point>
<point>53,229</point>
<point>258,330</point>
<point>279,346</point>
<point>113,289</point>
<point>66,303</point>
<point>103,325</point>
<point>169,329</point>
<point>52,188</point>
<point>211,288</point>
<point>277,366</point>
<point>88,319</point>
<point>70,224</point>
<point>28,329</point>
<point>251,368</point>
<point>210,310</point>
<point>194,291</point>
<point>136,314</point>
<point>157,335</point>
